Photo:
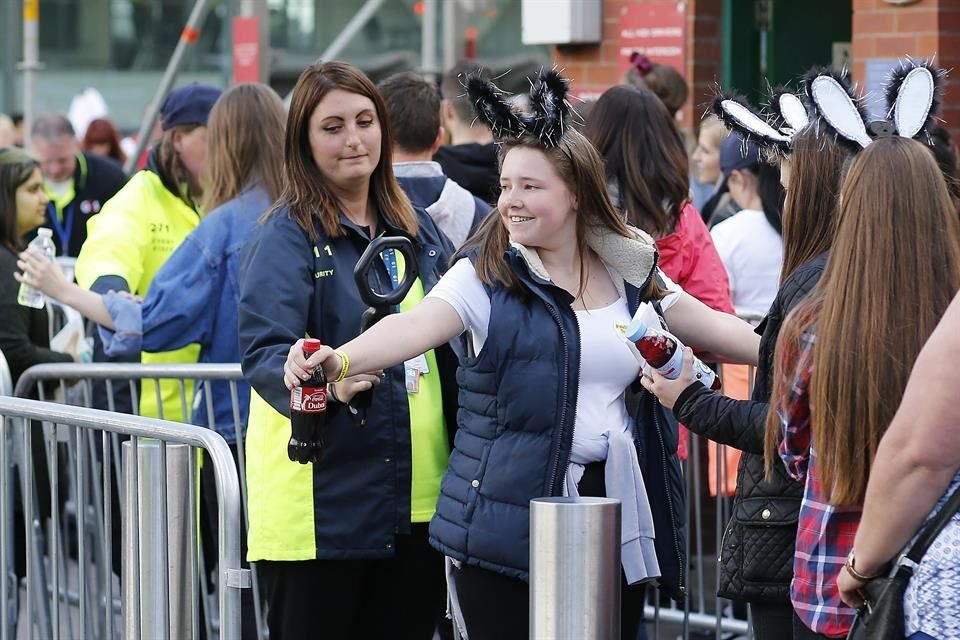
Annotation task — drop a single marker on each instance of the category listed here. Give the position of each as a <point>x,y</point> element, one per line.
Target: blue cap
<point>736,153</point>
<point>188,105</point>
<point>636,328</point>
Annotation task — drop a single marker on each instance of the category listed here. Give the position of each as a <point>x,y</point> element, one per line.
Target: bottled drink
<point>664,352</point>
<point>29,296</point>
<point>308,413</point>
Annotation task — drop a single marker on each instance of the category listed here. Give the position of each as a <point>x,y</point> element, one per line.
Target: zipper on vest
<point>670,505</point>
<point>566,389</point>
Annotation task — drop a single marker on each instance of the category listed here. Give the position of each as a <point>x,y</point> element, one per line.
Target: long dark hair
<point>770,191</point>
<point>306,193</point>
<point>16,167</point>
<point>644,157</point>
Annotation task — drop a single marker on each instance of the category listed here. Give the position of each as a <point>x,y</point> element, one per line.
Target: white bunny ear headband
<point>790,116</point>
<point>913,97</point>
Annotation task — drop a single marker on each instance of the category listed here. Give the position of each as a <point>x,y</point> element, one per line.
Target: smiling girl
<point>546,406</point>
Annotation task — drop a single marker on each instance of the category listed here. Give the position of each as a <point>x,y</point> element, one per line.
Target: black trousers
<point>399,597</point>
<point>497,607</point>
<point>772,621</point>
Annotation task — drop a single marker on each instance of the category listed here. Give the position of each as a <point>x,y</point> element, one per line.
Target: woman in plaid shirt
<point>845,354</point>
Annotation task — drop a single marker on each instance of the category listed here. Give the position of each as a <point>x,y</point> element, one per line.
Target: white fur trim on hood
<point>633,258</point>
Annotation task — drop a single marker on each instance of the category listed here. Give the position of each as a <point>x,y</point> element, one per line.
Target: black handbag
<point>881,617</point>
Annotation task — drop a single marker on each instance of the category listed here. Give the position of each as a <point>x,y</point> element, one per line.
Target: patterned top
<point>932,600</point>
<point>825,533</point>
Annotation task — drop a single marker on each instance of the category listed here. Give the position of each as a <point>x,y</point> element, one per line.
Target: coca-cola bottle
<point>308,413</point>
<point>664,352</point>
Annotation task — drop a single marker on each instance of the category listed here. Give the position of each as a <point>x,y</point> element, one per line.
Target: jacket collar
<point>633,258</point>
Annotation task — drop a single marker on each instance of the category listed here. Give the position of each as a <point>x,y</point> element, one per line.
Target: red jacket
<point>689,258</point>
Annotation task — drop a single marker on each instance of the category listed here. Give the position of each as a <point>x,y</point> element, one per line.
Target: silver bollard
<point>162,537</point>
<point>575,569</point>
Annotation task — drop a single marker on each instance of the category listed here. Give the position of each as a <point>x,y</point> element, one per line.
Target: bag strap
<point>933,529</point>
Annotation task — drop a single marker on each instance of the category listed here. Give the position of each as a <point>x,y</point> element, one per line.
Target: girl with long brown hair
<point>342,545</point>
<point>547,406</point>
<point>811,172</point>
<point>844,356</point>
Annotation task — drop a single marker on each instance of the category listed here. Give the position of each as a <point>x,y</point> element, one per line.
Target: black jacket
<point>473,166</point>
<point>24,335</point>
<point>95,180</point>
<point>756,554</point>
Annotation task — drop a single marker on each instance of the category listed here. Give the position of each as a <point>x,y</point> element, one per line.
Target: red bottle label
<point>308,399</point>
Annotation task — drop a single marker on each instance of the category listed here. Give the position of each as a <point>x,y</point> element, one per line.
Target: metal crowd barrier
<point>6,381</point>
<point>702,611</point>
<point>44,603</point>
<point>72,384</point>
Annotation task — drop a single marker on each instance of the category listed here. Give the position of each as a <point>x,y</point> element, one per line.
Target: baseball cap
<point>737,153</point>
<point>188,105</point>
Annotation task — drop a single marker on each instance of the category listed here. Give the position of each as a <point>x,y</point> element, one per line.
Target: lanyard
<point>65,229</point>
<point>389,258</point>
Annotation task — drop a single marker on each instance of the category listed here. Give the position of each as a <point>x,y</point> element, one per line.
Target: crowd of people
<point>504,375</point>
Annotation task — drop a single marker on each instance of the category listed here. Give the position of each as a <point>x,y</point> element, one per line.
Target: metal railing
<point>26,417</point>
<point>701,611</point>
<point>72,384</point>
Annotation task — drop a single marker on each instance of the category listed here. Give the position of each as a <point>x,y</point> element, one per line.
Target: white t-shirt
<point>607,365</point>
<point>752,253</point>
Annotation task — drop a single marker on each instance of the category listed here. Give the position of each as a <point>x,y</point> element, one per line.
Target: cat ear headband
<point>549,116</point>
<point>790,116</point>
<point>912,95</point>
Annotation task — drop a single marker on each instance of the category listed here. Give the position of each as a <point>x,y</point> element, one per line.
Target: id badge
<point>411,378</point>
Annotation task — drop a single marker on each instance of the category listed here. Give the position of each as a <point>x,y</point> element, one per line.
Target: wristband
<point>344,365</point>
<point>848,565</point>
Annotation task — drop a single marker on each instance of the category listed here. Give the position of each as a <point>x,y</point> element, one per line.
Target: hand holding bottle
<point>660,350</point>
<point>667,389</point>
<point>42,273</point>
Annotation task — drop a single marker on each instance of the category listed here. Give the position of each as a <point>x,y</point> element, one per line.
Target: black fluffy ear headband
<point>912,96</point>
<point>547,120</point>
<point>790,116</point>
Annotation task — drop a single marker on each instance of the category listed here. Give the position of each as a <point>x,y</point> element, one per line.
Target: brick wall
<point>925,29</point>
<point>598,65</point>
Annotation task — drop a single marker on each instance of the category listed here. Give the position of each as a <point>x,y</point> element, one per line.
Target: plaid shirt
<point>825,533</point>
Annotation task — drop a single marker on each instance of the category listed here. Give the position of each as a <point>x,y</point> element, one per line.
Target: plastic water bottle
<point>29,296</point>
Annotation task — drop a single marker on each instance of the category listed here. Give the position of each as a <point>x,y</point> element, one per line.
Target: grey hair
<point>51,127</point>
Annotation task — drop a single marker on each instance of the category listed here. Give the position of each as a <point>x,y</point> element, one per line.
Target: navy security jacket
<point>291,287</point>
<point>518,402</point>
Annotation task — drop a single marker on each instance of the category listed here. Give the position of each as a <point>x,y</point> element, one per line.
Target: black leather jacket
<point>756,554</point>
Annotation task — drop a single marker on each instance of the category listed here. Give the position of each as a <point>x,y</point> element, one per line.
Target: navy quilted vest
<point>517,409</point>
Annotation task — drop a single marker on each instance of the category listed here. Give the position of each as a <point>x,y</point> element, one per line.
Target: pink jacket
<point>689,258</point>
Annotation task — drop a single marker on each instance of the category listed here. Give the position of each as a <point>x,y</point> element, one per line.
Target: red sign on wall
<point>246,49</point>
<point>656,30</point>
